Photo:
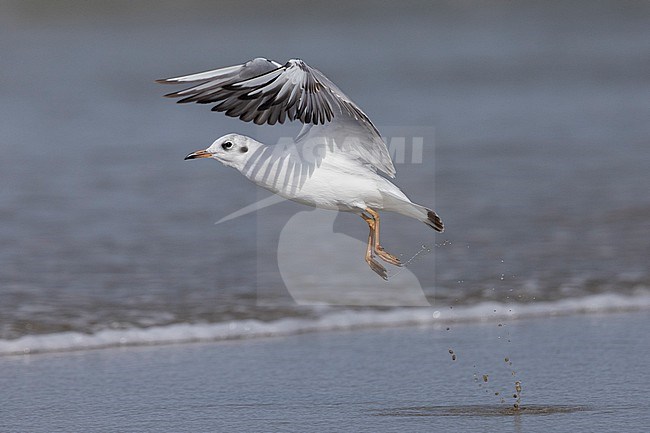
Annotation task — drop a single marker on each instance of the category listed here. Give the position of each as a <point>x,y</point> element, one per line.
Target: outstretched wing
<point>264,91</point>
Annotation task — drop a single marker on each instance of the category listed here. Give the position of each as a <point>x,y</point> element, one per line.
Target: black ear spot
<point>244,149</point>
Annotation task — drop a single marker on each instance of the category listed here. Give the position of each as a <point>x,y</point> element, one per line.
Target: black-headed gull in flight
<point>331,164</point>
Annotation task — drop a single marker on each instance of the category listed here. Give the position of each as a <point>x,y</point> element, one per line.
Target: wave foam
<point>328,321</point>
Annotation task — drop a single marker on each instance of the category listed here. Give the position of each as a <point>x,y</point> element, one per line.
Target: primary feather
<point>265,92</point>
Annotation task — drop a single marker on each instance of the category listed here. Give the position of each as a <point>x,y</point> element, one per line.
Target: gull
<point>335,161</point>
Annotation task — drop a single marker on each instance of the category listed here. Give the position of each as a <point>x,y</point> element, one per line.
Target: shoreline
<point>335,320</point>
<point>574,374</point>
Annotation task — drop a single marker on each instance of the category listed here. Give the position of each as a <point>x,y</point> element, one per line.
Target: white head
<point>232,150</point>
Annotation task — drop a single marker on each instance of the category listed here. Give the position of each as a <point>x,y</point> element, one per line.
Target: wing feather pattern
<point>265,92</point>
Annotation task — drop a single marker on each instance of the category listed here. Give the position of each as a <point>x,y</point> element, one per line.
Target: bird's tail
<point>407,208</point>
<point>425,215</point>
<point>434,221</point>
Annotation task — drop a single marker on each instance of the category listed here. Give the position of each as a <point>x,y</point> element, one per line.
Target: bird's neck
<point>278,168</point>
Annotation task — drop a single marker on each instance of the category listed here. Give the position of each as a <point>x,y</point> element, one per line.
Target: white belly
<point>336,184</point>
<point>339,191</point>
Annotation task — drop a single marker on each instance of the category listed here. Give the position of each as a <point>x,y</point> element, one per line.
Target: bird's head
<point>232,150</point>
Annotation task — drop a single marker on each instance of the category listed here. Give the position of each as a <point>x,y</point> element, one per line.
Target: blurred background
<point>539,164</point>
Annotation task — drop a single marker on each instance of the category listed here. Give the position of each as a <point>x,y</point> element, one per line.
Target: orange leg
<point>378,249</point>
<point>374,265</point>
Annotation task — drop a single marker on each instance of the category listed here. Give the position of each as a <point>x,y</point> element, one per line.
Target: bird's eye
<point>227,145</point>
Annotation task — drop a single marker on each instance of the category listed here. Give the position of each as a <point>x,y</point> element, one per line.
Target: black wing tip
<point>314,118</point>
<point>434,221</point>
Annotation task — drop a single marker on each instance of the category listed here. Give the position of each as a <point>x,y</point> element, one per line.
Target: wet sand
<point>572,373</point>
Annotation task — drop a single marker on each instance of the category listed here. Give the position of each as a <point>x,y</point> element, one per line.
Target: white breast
<point>335,182</point>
